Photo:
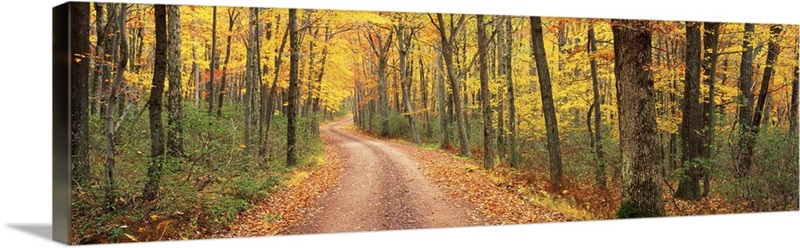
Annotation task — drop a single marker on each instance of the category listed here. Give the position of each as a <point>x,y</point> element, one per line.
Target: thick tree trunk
<point>642,192</point>
<point>692,123</point>
<point>600,170</point>
<point>175,94</point>
<point>79,92</point>
<point>222,91</point>
<point>486,97</point>
<point>291,132</point>
<point>743,152</point>
<point>155,103</point>
<point>553,142</point>
<point>212,63</point>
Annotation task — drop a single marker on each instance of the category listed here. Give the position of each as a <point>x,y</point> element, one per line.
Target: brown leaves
<point>289,204</point>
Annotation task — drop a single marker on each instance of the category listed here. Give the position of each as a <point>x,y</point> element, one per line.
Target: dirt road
<point>381,188</point>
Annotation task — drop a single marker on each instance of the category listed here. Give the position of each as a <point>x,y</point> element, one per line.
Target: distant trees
<point>642,191</point>
<point>447,36</point>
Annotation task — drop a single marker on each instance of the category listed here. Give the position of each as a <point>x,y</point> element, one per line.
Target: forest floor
<point>372,184</point>
<point>367,183</point>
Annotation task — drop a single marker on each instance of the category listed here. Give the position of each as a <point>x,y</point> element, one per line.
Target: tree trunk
<point>743,152</point>
<point>175,94</point>
<point>486,97</point>
<point>251,77</point>
<point>710,40</point>
<point>512,110</point>
<point>772,56</point>
<point>155,103</point>
<point>793,132</point>
<point>111,98</point>
<point>196,77</point>
<point>291,132</point>
<point>273,90</point>
<point>455,80</point>
<point>212,63</point>
<point>444,134</point>
<point>553,142</point>
<point>692,123</point>
<point>404,45</point>
<point>79,92</point>
<point>222,91</point>
<point>642,192</point>
<point>600,170</point>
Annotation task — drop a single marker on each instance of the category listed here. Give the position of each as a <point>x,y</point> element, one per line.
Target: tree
<point>110,129</point>
<point>742,157</point>
<point>597,144</point>
<point>380,47</point>
<point>553,142</point>
<point>404,36</point>
<point>448,37</point>
<point>251,75</point>
<point>486,97</point>
<point>155,103</point>
<point>793,132</point>
<point>232,14</point>
<point>212,63</point>
<point>441,94</point>
<point>79,92</point>
<point>512,109</point>
<point>710,47</point>
<point>772,55</point>
<point>692,123</point>
<point>642,193</point>
<point>291,113</point>
<point>175,93</point>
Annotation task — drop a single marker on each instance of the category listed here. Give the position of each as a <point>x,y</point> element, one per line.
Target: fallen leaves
<point>288,205</point>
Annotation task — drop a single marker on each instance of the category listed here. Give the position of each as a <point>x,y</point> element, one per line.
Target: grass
<point>200,194</point>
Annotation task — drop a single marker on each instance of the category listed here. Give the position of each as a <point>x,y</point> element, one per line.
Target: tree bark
<point>175,94</point>
<point>642,192</point>
<point>380,47</point>
<point>404,45</point>
<point>710,46</point>
<point>772,55</point>
<point>743,152</point>
<point>291,114</point>
<point>444,134</point>
<point>111,98</point>
<point>793,132</point>
<point>600,170</point>
<point>692,123</point>
<point>155,103</point>
<point>486,97</point>
<point>212,63</point>
<point>553,142</point>
<point>250,78</point>
<point>512,109</point>
<point>79,92</point>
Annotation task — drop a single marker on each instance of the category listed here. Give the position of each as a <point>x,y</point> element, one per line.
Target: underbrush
<point>200,193</point>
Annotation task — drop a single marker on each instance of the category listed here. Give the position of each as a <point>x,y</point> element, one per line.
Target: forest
<point>195,122</point>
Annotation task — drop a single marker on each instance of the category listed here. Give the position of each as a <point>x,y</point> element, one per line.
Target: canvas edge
<point>61,116</point>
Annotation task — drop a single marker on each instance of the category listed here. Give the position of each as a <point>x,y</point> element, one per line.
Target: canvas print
<point>196,122</point>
